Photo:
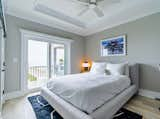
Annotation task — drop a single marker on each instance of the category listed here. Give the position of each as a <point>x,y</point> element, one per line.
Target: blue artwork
<point>113,46</point>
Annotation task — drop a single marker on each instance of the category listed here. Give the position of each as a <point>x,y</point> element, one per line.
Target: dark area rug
<point>45,111</point>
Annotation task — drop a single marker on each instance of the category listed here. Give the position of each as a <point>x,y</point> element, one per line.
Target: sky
<point>37,53</point>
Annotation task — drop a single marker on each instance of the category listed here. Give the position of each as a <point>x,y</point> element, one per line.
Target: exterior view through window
<point>45,60</point>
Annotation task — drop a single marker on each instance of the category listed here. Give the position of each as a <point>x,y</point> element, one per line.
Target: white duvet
<point>88,91</point>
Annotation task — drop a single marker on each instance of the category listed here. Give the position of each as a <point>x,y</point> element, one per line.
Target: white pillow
<point>117,69</point>
<point>98,67</point>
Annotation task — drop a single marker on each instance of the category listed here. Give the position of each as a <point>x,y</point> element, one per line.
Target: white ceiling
<point>115,12</point>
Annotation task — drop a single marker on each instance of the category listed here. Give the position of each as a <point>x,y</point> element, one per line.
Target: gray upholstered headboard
<point>134,74</point>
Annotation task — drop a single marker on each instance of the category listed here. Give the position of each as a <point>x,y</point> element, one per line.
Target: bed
<point>105,111</point>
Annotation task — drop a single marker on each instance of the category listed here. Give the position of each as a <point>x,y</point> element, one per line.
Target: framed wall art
<point>115,46</point>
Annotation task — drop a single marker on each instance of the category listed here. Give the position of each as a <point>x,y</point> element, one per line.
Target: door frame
<point>31,35</point>
<point>2,68</point>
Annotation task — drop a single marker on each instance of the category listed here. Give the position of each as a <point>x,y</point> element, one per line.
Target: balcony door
<point>43,58</point>
<point>45,61</point>
<point>57,60</point>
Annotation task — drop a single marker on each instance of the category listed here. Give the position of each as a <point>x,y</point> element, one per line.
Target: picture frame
<point>115,46</point>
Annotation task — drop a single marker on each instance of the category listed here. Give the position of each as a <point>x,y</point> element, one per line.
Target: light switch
<point>15,59</point>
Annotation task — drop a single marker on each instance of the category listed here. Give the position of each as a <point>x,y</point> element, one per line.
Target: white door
<point>57,60</point>
<point>45,61</point>
<point>38,73</point>
<point>2,66</point>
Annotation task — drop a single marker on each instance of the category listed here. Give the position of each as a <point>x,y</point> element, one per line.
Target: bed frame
<point>106,111</point>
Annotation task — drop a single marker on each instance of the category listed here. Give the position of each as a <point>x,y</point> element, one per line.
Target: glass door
<point>38,73</point>
<point>45,60</point>
<point>57,60</point>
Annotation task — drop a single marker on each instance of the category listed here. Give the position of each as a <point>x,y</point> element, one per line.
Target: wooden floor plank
<point>147,107</point>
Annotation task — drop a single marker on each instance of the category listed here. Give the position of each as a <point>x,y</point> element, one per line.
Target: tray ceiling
<point>63,14</point>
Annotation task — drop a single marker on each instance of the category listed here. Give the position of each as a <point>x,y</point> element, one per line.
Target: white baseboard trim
<point>17,94</point>
<point>13,95</point>
<point>149,94</point>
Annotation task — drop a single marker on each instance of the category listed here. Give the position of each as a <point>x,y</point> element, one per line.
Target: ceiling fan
<point>93,5</point>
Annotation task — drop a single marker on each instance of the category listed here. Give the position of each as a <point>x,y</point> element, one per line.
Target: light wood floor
<point>20,108</point>
<point>144,106</point>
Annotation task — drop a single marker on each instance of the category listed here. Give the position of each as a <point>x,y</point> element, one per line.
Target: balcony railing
<point>37,72</point>
<point>41,72</point>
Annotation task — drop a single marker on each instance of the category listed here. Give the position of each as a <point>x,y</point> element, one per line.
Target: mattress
<point>88,91</point>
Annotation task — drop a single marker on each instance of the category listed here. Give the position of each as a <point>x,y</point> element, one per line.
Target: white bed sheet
<point>88,91</point>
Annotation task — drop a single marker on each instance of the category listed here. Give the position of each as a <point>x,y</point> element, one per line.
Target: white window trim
<point>25,35</point>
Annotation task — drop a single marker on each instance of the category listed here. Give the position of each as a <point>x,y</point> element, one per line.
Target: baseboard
<point>17,94</point>
<point>149,94</point>
<point>13,95</point>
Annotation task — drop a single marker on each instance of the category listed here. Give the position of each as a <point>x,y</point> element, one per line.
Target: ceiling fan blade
<point>83,11</point>
<point>98,12</point>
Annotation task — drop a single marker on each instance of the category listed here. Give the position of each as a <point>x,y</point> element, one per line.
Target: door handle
<point>3,70</point>
<point>4,64</point>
